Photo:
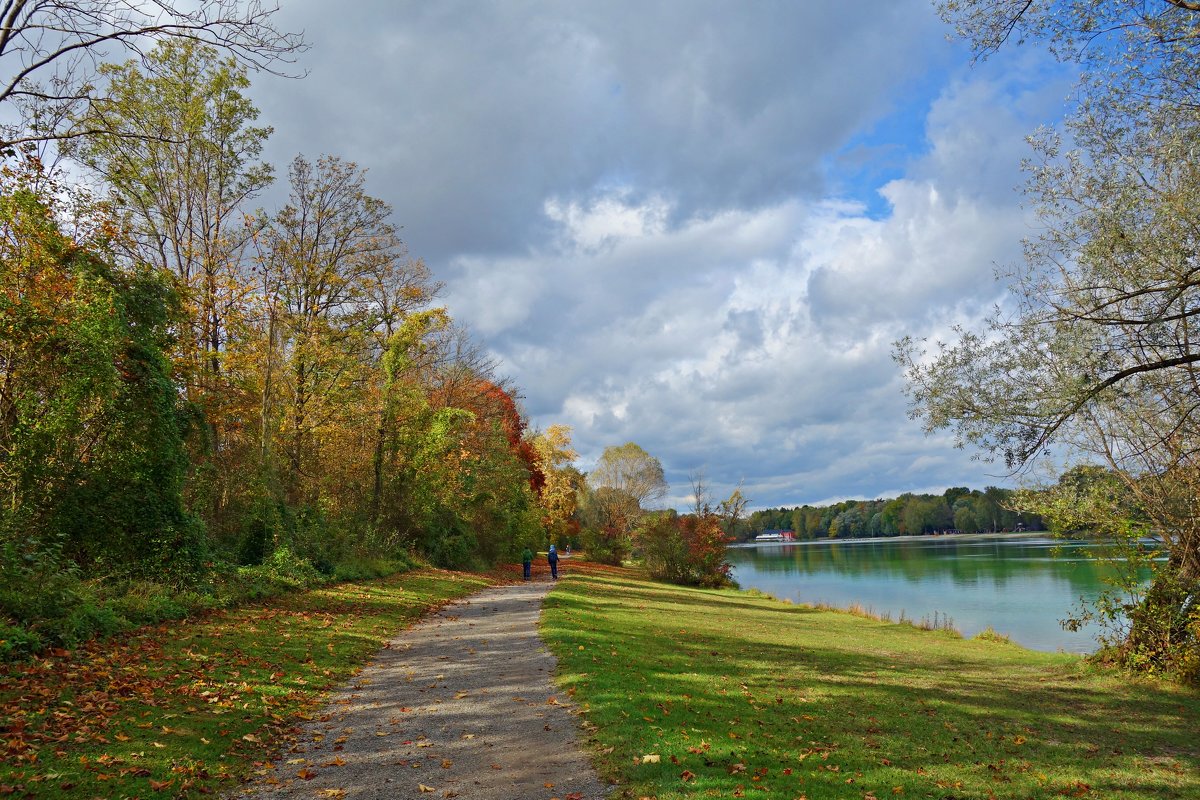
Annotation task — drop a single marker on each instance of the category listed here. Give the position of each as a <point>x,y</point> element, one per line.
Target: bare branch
<point>61,44</point>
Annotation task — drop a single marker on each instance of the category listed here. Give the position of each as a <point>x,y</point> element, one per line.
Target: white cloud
<point>756,342</point>
<point>629,204</point>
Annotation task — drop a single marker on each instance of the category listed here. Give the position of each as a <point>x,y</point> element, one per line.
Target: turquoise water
<point>1021,586</point>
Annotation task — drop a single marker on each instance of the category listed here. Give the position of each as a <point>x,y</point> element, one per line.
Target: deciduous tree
<point>1100,356</point>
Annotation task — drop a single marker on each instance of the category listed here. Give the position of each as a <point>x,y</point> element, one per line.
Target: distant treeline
<point>957,509</point>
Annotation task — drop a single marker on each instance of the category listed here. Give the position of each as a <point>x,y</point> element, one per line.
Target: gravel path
<point>461,705</point>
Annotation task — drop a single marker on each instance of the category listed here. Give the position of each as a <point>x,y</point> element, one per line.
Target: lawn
<point>188,709</point>
<point>700,693</point>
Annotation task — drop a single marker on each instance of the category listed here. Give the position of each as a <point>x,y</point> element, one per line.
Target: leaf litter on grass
<point>188,706</point>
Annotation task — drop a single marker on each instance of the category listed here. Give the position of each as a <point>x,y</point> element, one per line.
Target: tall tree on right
<point>1097,355</point>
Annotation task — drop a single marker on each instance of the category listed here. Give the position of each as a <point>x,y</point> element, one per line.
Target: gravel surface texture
<point>461,705</point>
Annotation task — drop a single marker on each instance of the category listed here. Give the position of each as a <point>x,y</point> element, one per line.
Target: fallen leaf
<point>424,789</point>
<point>307,774</point>
<point>652,758</point>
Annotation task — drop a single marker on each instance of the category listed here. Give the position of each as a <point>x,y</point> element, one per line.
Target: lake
<point>1020,585</point>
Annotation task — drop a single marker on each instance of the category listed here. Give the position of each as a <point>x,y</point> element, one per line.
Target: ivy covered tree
<point>92,427</point>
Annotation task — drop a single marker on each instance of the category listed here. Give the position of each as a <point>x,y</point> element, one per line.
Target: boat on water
<point>769,537</point>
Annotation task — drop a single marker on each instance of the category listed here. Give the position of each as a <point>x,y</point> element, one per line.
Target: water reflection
<point>1020,586</point>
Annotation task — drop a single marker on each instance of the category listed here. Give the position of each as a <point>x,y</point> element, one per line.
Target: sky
<point>696,225</point>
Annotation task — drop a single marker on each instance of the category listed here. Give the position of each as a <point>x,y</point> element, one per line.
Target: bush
<point>364,568</point>
<point>17,642</point>
<point>687,550</point>
<point>450,543</point>
<point>54,608</point>
<point>605,545</point>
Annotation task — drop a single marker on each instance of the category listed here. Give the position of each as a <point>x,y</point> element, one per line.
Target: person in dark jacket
<point>552,557</point>
<point>527,562</point>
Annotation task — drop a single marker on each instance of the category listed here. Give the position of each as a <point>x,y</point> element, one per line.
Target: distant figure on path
<point>552,557</point>
<point>527,562</point>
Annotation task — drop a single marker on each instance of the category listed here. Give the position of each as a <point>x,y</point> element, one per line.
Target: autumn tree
<point>319,254</point>
<point>690,549</point>
<point>629,469</point>
<point>186,188</point>
<point>559,493</point>
<point>625,479</point>
<point>1097,356</point>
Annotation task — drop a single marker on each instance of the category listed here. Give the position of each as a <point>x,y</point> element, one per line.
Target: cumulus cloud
<point>756,343</point>
<point>656,215</point>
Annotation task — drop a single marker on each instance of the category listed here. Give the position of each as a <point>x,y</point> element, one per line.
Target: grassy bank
<point>186,709</point>
<point>700,693</point>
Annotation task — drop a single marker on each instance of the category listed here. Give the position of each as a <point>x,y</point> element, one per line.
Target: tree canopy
<point>1095,358</point>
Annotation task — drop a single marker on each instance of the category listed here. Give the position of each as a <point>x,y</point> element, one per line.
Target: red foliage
<point>495,403</point>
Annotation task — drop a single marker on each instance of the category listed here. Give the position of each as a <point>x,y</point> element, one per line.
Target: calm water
<point>1020,586</point>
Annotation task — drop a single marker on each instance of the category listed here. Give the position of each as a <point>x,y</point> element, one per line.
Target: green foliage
<point>93,429</point>
<point>1146,625</point>
<point>688,550</point>
<point>449,542</point>
<point>17,642</point>
<point>959,509</point>
<point>605,545</point>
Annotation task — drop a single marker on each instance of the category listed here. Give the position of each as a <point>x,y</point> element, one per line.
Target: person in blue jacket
<point>552,557</point>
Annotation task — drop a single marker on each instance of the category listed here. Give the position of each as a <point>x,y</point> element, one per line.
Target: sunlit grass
<point>701,693</point>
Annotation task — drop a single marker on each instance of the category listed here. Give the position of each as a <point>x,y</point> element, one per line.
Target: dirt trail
<point>460,705</point>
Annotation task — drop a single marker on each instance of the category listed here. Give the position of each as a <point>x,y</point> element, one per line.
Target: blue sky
<point>695,225</point>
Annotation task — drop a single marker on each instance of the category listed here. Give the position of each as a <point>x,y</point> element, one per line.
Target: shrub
<point>17,642</point>
<point>989,634</point>
<point>688,550</point>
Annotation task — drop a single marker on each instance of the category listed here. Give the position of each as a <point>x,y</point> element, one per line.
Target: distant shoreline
<point>906,538</point>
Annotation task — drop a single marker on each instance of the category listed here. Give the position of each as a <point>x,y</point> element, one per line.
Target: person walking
<point>527,562</point>
<point>552,557</point>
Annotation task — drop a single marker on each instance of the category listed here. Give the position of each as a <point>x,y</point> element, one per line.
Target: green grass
<point>187,709</point>
<point>741,695</point>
